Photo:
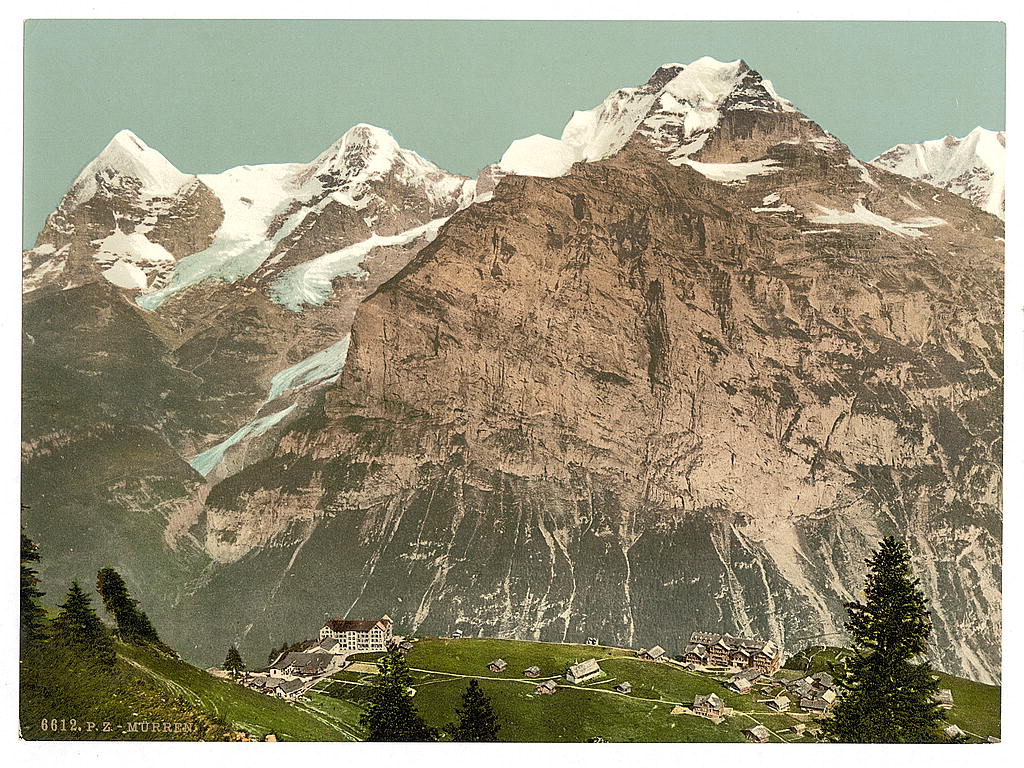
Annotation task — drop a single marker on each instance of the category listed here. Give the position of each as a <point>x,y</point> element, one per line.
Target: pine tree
<point>133,625</point>
<point>233,661</point>
<point>477,721</point>
<point>390,714</point>
<point>78,628</point>
<point>885,696</point>
<point>32,614</point>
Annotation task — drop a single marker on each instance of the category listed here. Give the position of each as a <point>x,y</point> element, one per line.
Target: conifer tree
<point>78,628</point>
<point>887,696</point>
<point>390,714</point>
<point>133,625</point>
<point>477,721</point>
<point>233,661</point>
<point>32,614</point>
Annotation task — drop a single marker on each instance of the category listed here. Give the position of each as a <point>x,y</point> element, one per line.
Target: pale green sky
<point>210,95</point>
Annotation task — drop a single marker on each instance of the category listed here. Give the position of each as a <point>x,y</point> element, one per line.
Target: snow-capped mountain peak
<point>675,109</point>
<point>128,162</point>
<point>972,167</point>
<point>363,151</point>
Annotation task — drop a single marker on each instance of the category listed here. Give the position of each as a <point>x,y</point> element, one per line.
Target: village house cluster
<point>814,693</point>
<point>295,672</point>
<point>710,649</point>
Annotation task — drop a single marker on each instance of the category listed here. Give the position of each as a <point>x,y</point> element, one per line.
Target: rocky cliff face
<point>633,399</point>
<point>678,369</point>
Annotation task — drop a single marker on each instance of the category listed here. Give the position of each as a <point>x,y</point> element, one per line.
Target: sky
<point>211,95</point>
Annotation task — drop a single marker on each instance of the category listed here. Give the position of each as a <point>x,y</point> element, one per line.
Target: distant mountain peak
<point>972,166</point>
<point>126,157</point>
<point>362,150</point>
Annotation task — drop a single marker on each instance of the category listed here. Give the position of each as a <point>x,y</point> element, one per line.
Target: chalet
<point>498,665</point>
<point>328,645</point>
<point>298,664</point>
<point>709,649</point>
<point>823,680</point>
<point>780,703</point>
<point>359,634</point>
<point>829,696</point>
<point>944,698</point>
<point>289,689</point>
<point>709,705</point>
<point>799,727</point>
<point>803,689</point>
<point>624,687</point>
<point>531,672</point>
<point>270,684</point>
<point>546,688</point>
<point>740,685</point>
<point>757,734</point>
<point>583,671</point>
<point>654,654</point>
<point>457,634</point>
<point>953,732</point>
<point>592,641</point>
<point>819,706</point>
<point>404,647</point>
<point>751,674</point>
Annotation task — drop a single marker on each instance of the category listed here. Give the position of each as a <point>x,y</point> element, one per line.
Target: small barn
<point>654,654</point>
<point>498,665</point>
<point>757,734</point>
<point>740,685</point>
<point>624,687</point>
<point>546,688</point>
<point>531,672</point>
<point>709,705</point>
<point>583,671</point>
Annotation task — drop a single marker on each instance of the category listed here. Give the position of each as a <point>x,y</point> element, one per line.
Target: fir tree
<point>78,628</point>
<point>477,721</point>
<point>32,614</point>
<point>885,696</point>
<point>233,661</point>
<point>133,625</point>
<point>390,714</point>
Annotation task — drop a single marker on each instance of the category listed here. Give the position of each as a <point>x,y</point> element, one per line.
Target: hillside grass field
<point>592,711</point>
<point>323,719</point>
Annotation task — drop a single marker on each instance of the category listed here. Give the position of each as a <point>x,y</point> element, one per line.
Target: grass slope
<point>593,710</point>
<point>321,719</point>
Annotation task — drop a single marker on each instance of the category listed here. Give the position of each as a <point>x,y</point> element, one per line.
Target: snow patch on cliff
<point>861,215</point>
<point>312,282</point>
<point>206,461</point>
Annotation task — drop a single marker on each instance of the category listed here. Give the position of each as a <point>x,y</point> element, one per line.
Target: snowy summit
<point>972,167</point>
<point>676,110</point>
<point>129,157</point>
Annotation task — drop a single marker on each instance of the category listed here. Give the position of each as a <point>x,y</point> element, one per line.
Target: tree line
<point>69,664</point>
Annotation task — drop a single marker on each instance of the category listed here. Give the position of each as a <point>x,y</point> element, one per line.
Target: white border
<point>563,755</point>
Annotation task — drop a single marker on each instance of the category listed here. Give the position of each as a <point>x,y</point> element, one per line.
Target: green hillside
<point>161,688</point>
<point>591,711</point>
